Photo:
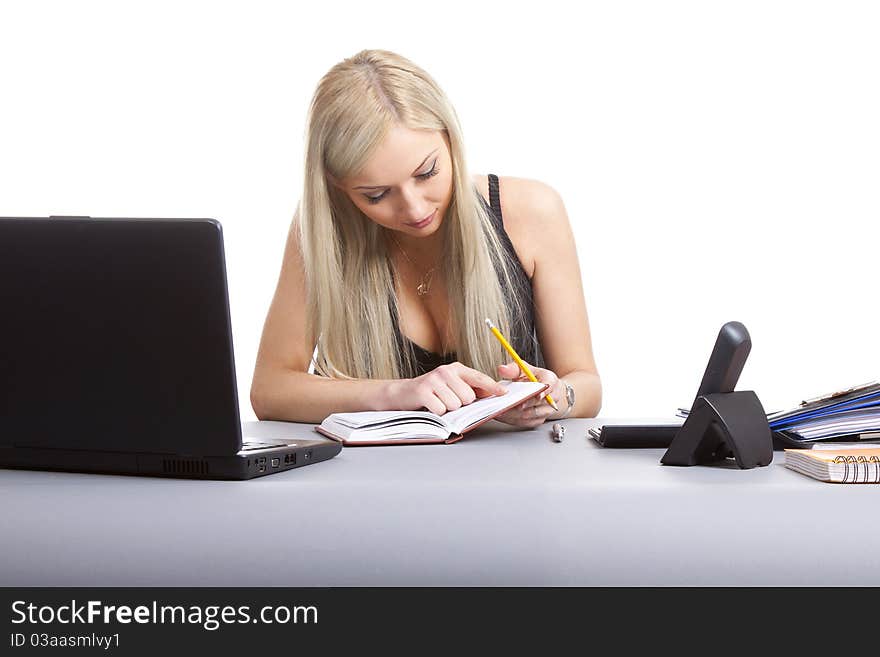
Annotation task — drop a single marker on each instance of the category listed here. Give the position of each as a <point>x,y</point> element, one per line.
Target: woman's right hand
<point>446,388</point>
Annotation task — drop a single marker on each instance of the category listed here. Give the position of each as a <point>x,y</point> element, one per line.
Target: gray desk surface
<point>502,507</point>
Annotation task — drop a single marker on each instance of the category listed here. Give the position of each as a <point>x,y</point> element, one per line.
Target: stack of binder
<point>846,415</point>
<point>851,414</point>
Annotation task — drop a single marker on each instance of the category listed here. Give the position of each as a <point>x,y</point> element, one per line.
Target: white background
<point>718,160</point>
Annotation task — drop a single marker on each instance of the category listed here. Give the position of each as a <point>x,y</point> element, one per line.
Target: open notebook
<point>408,427</point>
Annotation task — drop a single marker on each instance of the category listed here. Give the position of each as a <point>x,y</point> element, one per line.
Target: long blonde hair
<point>351,302</point>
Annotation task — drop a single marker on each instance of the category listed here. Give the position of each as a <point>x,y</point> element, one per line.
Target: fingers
<point>433,404</point>
<point>545,376</point>
<point>447,396</point>
<point>449,387</point>
<point>433,394</point>
<point>532,412</point>
<point>536,412</point>
<point>527,414</point>
<point>511,371</point>
<point>482,385</point>
<point>459,387</point>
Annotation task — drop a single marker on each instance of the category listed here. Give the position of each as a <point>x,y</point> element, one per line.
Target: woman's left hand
<point>535,411</point>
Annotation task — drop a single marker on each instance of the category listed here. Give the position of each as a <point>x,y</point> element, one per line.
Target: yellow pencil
<point>519,361</point>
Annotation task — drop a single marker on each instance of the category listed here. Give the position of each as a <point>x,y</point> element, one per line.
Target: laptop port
<point>276,462</point>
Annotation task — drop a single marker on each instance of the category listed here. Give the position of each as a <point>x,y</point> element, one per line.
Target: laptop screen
<point>115,335</point>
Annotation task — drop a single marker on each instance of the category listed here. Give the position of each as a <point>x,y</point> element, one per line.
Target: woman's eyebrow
<point>413,173</point>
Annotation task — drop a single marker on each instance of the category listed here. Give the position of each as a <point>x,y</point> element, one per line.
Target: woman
<point>396,257</point>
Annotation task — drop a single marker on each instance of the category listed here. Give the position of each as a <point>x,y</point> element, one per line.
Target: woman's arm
<point>282,388</point>
<point>538,225</point>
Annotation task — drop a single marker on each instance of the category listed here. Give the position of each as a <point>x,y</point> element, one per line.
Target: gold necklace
<point>424,285</point>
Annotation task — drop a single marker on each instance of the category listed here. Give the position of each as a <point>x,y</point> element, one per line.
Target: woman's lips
<point>424,222</point>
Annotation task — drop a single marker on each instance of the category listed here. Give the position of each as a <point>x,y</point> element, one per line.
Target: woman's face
<point>406,185</point>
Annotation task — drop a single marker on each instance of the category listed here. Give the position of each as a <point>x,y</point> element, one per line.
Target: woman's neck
<point>422,252</point>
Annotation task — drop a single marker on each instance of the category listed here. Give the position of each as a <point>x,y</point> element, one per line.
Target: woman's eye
<point>432,172</point>
<point>376,199</point>
<point>425,176</point>
<point>422,176</point>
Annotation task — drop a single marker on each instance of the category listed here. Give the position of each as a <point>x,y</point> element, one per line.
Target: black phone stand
<point>720,425</point>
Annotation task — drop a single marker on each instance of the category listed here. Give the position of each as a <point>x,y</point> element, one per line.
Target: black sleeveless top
<point>523,338</point>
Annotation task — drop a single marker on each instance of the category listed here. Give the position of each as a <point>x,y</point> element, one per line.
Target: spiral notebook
<point>843,466</point>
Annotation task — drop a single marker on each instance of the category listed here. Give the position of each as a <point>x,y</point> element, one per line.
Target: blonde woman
<point>397,255</point>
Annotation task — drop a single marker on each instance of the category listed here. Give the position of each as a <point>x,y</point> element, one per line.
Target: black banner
<point>127,621</point>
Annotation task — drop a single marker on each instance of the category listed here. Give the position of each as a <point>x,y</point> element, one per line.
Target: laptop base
<point>244,465</point>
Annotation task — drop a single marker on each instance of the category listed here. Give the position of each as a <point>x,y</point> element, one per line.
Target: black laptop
<point>116,353</point>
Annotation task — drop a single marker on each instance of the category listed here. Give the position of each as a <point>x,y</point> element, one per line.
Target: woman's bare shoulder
<point>523,200</point>
<point>528,207</point>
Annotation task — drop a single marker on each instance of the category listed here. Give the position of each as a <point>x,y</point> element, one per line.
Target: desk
<point>501,507</point>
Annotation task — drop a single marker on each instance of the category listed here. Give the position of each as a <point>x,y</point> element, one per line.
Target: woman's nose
<point>413,206</point>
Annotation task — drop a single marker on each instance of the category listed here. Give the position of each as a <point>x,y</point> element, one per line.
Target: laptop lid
<point>116,335</point>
